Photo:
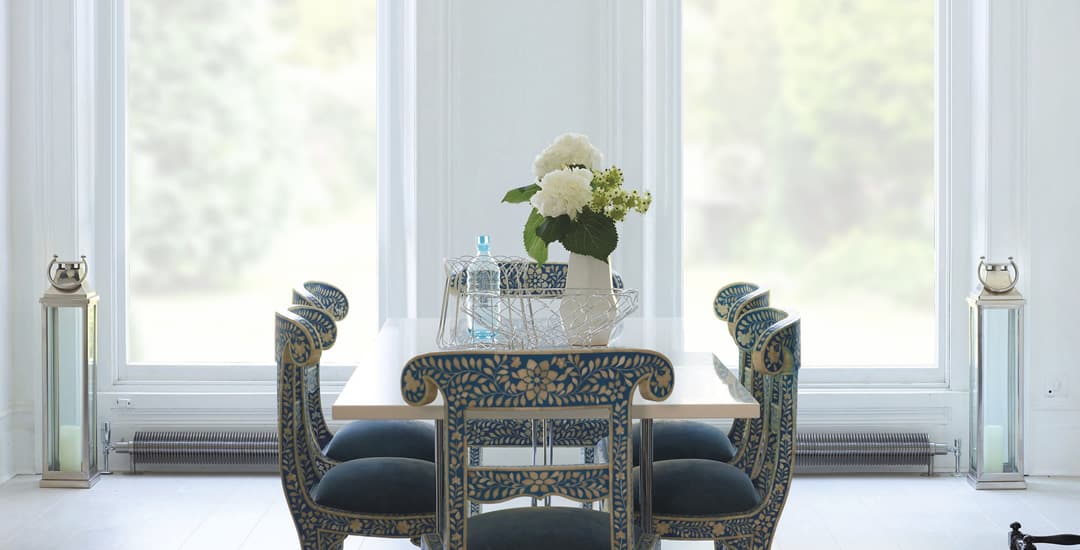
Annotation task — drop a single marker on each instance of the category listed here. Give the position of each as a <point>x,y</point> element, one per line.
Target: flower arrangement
<point>575,201</point>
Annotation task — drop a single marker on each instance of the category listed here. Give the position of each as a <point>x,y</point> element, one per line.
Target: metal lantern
<point>69,380</point>
<point>997,348</point>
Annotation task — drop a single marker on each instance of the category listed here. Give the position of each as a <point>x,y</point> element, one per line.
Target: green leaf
<point>520,194</point>
<point>534,245</point>
<point>553,229</point>
<point>592,235</point>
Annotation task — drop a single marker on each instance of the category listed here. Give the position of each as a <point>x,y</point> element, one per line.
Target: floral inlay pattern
<point>494,380</point>
<point>494,485</point>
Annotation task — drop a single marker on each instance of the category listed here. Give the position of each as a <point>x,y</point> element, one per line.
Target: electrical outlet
<point>124,403</point>
<point>1053,389</point>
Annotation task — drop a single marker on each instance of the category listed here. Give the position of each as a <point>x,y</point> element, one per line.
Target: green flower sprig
<point>610,199</point>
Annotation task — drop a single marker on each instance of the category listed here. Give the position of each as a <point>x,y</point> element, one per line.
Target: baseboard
<point>7,444</point>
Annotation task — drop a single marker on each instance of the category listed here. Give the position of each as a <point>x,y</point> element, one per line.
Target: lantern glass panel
<point>999,355</point>
<point>91,382</point>
<point>65,348</point>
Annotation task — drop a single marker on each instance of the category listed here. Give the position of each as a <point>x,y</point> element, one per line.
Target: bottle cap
<point>483,243</point>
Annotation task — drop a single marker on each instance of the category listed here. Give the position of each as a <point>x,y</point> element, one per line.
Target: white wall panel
<point>496,83</point>
<point>1053,262</point>
<point>7,372</point>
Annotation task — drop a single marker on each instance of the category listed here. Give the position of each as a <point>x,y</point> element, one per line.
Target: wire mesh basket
<point>535,310</point>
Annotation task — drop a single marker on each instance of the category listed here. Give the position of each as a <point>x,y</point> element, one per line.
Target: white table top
<point>704,387</point>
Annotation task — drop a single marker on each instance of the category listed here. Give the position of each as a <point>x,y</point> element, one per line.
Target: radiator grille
<point>205,447</point>
<point>817,453</point>
<point>195,448</point>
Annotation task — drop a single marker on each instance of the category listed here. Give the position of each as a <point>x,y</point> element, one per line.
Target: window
<point>251,168</point>
<point>809,169</point>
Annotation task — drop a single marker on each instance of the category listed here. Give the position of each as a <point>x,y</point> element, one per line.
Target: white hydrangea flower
<point>564,191</point>
<point>568,149</point>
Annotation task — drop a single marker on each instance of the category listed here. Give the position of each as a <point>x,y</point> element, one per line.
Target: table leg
<point>440,477</point>
<point>535,442</point>
<point>549,450</point>
<point>646,471</point>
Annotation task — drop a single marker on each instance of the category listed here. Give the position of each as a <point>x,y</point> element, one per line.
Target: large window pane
<point>809,168</point>
<point>251,168</point>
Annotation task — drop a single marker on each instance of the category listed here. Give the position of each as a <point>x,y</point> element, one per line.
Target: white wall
<point>492,89</point>
<point>496,83</point>
<point>1053,260</point>
<point>7,373</point>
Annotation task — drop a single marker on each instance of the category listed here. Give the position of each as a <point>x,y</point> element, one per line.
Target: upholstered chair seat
<point>540,528</point>
<point>383,485</point>
<point>383,438</point>
<point>676,439</point>
<point>697,487</point>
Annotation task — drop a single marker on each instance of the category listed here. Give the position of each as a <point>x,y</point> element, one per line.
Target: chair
<point>597,384</point>
<point>674,439</point>
<point>1020,541</point>
<point>360,438</point>
<point>583,434</point>
<point>328,500</point>
<point>738,505</point>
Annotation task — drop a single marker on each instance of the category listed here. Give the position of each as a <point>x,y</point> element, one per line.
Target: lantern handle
<point>1016,274</point>
<point>49,269</point>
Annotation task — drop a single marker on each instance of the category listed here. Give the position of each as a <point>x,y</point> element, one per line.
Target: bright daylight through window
<point>251,168</point>
<point>809,169</point>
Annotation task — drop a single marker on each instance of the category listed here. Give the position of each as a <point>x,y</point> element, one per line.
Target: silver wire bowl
<point>535,310</point>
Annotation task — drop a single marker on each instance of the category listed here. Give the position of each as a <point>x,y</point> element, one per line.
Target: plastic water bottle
<point>483,289</point>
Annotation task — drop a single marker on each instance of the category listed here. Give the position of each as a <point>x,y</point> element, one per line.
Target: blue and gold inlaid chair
<point>674,439</point>
<point>738,505</point>
<point>583,434</point>
<point>549,383</point>
<point>359,438</point>
<point>328,500</point>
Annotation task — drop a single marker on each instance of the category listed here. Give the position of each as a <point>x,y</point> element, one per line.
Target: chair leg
<point>735,544</point>
<point>648,542</point>
<point>474,461</point>
<point>588,456</point>
<point>321,540</point>
<point>431,541</point>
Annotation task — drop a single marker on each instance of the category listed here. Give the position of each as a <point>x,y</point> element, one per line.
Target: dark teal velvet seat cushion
<point>696,487</point>
<point>372,438</point>
<point>541,528</point>
<point>385,485</point>
<point>673,439</point>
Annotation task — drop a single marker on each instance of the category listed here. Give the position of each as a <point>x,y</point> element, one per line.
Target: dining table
<point>704,387</point>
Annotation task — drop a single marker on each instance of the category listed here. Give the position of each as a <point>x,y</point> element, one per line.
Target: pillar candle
<point>993,448</point>
<point>70,448</point>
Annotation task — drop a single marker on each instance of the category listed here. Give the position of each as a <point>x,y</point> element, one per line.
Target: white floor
<point>165,512</point>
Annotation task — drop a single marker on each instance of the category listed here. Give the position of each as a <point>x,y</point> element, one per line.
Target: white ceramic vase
<point>588,307</point>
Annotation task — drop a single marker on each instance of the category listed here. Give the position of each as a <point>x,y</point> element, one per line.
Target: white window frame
<point>953,189</point>
<point>394,66</point>
<point>399,54</point>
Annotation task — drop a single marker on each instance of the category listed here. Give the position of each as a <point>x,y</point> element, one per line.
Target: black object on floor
<point>1020,541</point>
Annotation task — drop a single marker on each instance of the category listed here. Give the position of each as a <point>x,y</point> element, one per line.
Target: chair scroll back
<point>309,300</point>
<point>538,383</point>
<point>731,302</point>
<point>297,347</point>
<point>771,337</point>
